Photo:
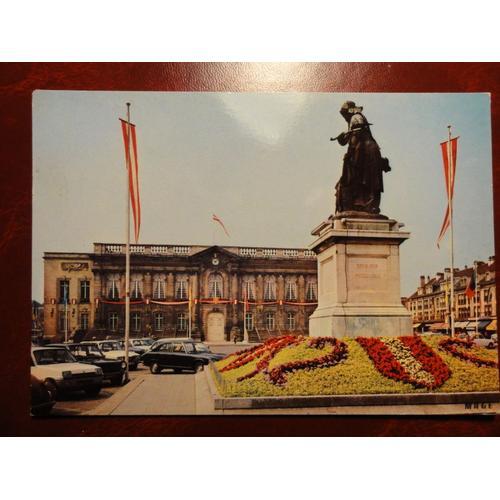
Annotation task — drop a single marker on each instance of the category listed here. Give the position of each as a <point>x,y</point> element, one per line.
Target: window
<point>270,289</point>
<point>135,320</point>
<point>270,324</point>
<point>84,321</point>
<point>249,321</point>
<point>181,322</point>
<point>113,321</point>
<point>63,323</point>
<point>63,291</point>
<point>158,321</point>
<point>312,291</point>
<point>159,287</point>
<point>113,287</point>
<point>181,288</point>
<point>84,291</point>
<point>136,286</point>
<point>290,321</point>
<point>215,289</point>
<point>291,291</point>
<point>249,288</point>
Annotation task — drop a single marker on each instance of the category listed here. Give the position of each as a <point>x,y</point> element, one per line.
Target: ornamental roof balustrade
<point>190,250</point>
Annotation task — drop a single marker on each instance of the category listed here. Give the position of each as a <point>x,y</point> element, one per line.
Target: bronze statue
<point>358,189</point>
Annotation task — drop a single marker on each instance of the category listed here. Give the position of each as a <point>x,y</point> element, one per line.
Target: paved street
<point>167,393</point>
<point>78,403</point>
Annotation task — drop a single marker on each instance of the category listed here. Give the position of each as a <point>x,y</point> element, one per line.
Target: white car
<point>489,343</point>
<point>112,350</point>
<point>59,371</point>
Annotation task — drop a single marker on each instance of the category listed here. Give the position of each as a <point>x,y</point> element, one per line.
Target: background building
<point>85,291</point>
<point>430,304</point>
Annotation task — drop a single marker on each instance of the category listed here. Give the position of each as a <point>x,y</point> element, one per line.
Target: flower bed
<point>456,347</point>
<point>407,359</point>
<point>302,367</point>
<point>267,351</point>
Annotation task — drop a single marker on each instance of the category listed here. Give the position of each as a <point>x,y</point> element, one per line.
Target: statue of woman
<point>360,186</point>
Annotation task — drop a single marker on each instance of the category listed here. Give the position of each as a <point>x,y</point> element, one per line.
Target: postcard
<point>210,253</point>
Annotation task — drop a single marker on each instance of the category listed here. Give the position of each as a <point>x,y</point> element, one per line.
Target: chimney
<point>422,281</point>
<point>440,275</point>
<point>491,260</point>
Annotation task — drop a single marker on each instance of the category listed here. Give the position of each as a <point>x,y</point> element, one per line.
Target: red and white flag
<point>216,219</point>
<point>128,130</point>
<point>449,176</point>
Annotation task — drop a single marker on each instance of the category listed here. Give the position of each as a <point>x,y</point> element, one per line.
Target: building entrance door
<point>215,327</point>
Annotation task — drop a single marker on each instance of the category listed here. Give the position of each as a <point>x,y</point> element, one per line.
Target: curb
<point>116,399</point>
<point>288,402</point>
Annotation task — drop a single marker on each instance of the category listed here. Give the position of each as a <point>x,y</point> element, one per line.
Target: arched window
<point>215,286</point>
<point>270,288</point>
<point>291,290</point>
<point>312,290</point>
<point>113,286</point>
<point>181,287</point>
<point>248,285</point>
<point>136,286</point>
<point>159,286</point>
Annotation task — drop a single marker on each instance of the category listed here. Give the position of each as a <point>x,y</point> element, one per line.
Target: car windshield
<point>53,356</point>
<point>147,341</point>
<point>200,347</point>
<point>110,346</point>
<point>93,349</point>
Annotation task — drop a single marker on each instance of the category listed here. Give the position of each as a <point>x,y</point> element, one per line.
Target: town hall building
<point>214,292</point>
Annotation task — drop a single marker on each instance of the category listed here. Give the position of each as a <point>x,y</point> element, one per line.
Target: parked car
<point>112,350</point>
<point>488,342</point>
<point>179,355</point>
<point>60,372</point>
<point>113,370</point>
<point>42,400</point>
<point>133,345</point>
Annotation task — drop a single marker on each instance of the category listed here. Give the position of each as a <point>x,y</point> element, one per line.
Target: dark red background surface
<point>17,81</point>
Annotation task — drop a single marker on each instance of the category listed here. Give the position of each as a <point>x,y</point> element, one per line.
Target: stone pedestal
<point>358,279</point>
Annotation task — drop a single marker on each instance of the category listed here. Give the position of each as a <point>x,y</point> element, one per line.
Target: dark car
<point>179,355</point>
<point>112,370</point>
<point>42,400</point>
<point>112,350</point>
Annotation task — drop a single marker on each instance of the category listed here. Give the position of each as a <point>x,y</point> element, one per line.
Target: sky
<point>262,162</point>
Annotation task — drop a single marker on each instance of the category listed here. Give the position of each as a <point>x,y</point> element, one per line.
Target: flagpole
<point>189,308</point>
<point>245,308</point>
<point>450,204</point>
<point>475,296</point>
<point>127,250</point>
<point>66,318</point>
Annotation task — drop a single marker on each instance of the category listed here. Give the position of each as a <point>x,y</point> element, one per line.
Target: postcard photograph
<point>207,253</point>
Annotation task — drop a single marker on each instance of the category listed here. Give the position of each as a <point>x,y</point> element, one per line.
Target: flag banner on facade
<point>216,219</point>
<point>129,139</point>
<point>449,177</point>
<point>471,287</point>
<point>245,302</point>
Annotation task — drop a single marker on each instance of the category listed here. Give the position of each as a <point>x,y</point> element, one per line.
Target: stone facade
<point>86,291</point>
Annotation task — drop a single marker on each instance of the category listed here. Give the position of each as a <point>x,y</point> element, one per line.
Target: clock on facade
<point>215,261</point>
